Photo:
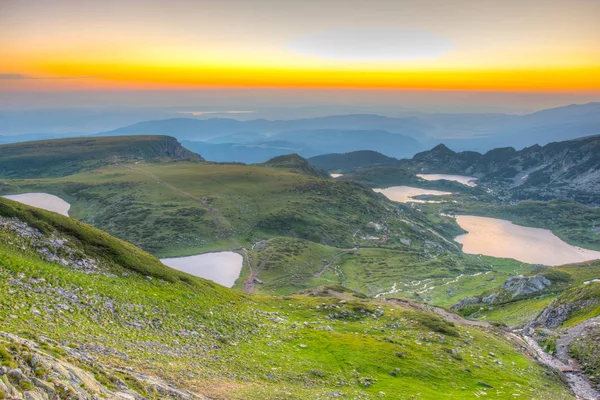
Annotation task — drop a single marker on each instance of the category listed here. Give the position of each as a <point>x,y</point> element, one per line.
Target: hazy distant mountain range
<point>252,141</point>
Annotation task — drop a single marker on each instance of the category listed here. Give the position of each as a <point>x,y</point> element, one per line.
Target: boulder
<point>523,285</point>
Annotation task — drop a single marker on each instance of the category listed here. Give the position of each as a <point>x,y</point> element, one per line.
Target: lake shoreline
<point>222,267</point>
<point>504,239</point>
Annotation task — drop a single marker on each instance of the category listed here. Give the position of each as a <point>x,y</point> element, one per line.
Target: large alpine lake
<point>500,238</point>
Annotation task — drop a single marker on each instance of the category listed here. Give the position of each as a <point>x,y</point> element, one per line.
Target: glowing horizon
<point>540,47</point>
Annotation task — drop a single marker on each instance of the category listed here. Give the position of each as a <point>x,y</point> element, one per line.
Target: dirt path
<point>562,343</point>
<point>249,284</point>
<point>333,259</point>
<point>219,225</point>
<point>578,382</point>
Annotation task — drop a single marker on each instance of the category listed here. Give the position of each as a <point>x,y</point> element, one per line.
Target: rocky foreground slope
<point>561,313</point>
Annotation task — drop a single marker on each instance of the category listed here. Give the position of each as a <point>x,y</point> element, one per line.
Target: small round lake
<point>405,194</point>
<point>500,238</point>
<point>44,201</point>
<point>465,180</point>
<point>223,267</point>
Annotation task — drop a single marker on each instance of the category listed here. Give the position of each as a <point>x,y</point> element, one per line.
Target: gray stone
<point>523,285</point>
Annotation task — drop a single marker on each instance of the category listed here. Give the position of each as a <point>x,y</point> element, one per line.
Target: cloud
<point>382,44</point>
<point>198,113</point>
<point>23,76</point>
<point>13,76</point>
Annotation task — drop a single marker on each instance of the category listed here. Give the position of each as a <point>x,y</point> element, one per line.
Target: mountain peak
<point>295,163</point>
<point>442,148</point>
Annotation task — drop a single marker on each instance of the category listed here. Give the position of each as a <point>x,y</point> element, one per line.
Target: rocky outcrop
<point>559,170</point>
<point>555,314</point>
<point>512,288</point>
<point>524,285</point>
<point>441,159</point>
<point>466,302</point>
<point>30,373</point>
<point>51,247</point>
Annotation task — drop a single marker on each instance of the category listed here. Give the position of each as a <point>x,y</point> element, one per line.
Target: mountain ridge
<point>62,157</point>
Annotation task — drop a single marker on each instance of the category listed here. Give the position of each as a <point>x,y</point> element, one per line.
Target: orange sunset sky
<point>533,46</point>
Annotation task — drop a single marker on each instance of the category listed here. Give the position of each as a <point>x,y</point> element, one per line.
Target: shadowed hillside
<point>61,157</point>
<point>351,161</point>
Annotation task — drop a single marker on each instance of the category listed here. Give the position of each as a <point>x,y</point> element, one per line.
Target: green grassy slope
<point>114,253</point>
<point>289,265</point>
<point>176,209</point>
<point>587,298</point>
<point>224,344</point>
<point>184,208</point>
<point>61,157</point>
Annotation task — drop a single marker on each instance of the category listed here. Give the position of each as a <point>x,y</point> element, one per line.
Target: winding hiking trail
<point>562,362</point>
<point>445,314</point>
<point>567,367</point>
<point>250,282</point>
<point>215,215</point>
<point>573,371</point>
<point>578,382</point>
<point>562,343</point>
<point>335,258</point>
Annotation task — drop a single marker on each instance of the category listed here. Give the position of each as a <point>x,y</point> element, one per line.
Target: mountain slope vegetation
<point>142,336</point>
<point>558,307</point>
<point>184,208</point>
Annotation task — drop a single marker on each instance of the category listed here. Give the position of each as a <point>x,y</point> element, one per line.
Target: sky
<point>547,47</point>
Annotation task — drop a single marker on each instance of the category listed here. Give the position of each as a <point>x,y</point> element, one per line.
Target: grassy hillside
<point>184,208</point>
<point>288,265</point>
<point>220,343</point>
<point>309,228</point>
<point>113,253</point>
<point>61,157</point>
<point>354,160</point>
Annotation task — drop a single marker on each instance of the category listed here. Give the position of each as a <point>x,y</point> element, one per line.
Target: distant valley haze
<point>223,136</point>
